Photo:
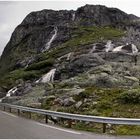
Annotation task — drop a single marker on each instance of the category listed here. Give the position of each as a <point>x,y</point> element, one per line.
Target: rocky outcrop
<point>71,50</point>
<point>31,36</point>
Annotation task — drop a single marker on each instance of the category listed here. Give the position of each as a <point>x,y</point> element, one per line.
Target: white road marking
<point>68,131</point>
<point>8,114</point>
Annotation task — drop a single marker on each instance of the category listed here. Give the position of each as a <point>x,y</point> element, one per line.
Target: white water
<point>37,81</point>
<point>28,63</point>
<point>118,49</point>
<point>11,91</point>
<point>134,49</point>
<point>109,46</point>
<point>73,16</point>
<point>49,77</point>
<point>93,49</point>
<point>48,44</point>
<point>67,56</point>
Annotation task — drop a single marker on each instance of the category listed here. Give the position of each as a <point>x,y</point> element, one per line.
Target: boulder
<point>59,101</point>
<point>34,105</point>
<point>78,104</point>
<point>69,101</point>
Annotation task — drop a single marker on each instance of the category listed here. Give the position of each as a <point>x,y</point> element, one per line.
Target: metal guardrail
<point>88,118</point>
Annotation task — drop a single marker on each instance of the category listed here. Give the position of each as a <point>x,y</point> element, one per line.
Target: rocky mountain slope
<point>69,57</point>
<point>85,61</point>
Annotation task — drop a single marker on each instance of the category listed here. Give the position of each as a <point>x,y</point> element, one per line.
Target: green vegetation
<point>87,35</point>
<point>41,65</point>
<point>83,36</point>
<point>10,78</point>
<point>21,74</point>
<point>130,96</point>
<point>30,73</point>
<point>80,37</point>
<point>102,102</point>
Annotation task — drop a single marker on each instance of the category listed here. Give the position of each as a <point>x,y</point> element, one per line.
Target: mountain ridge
<point>88,15</point>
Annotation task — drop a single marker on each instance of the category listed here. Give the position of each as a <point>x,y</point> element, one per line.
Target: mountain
<point>85,61</point>
<point>30,37</point>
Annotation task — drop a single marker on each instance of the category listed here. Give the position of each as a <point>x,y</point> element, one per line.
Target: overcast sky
<point>13,12</point>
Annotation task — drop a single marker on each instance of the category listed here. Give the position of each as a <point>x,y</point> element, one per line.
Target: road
<point>14,127</point>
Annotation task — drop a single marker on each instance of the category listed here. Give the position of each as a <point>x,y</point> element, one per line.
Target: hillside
<point>85,61</point>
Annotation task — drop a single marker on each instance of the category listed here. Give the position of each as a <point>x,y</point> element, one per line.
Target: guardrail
<point>88,118</point>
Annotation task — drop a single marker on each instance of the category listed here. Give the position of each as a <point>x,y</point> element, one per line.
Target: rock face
<point>74,50</point>
<point>30,37</point>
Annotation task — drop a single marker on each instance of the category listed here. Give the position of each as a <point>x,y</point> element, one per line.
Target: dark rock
<point>59,101</point>
<point>69,101</point>
<point>37,29</point>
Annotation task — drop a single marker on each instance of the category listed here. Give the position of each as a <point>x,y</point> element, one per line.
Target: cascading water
<point>93,49</point>
<point>134,49</point>
<point>118,49</point>
<point>11,91</point>
<point>67,56</point>
<point>48,44</point>
<point>109,46</point>
<point>28,63</point>
<point>49,77</point>
<point>73,16</point>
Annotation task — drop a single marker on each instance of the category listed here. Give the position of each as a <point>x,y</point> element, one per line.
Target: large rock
<point>69,101</point>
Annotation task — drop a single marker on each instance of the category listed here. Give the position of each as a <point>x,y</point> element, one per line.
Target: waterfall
<point>48,44</point>
<point>73,16</point>
<point>28,63</point>
<point>11,91</point>
<point>93,49</point>
<point>118,49</point>
<point>49,77</point>
<point>134,49</point>
<point>67,56</point>
<point>109,46</point>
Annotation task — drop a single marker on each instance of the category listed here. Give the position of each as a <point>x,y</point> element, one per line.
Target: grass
<point>10,78</point>
<point>87,35</point>
<point>40,65</point>
<point>108,105</point>
<point>82,36</point>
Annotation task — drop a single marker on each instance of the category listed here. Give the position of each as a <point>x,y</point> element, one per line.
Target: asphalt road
<point>14,127</point>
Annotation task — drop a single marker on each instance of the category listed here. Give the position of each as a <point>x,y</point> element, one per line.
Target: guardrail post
<point>69,123</point>
<point>18,111</point>
<point>46,119</point>
<point>10,109</point>
<point>104,127</point>
<point>30,115</point>
<point>4,108</point>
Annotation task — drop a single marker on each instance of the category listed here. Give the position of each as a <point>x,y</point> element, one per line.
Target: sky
<point>12,13</point>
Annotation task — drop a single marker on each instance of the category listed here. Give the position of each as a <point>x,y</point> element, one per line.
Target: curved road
<point>14,127</point>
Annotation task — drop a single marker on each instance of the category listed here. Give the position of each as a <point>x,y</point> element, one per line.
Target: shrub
<point>40,65</point>
<point>103,105</point>
<point>130,97</point>
<point>21,74</point>
<point>84,94</point>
